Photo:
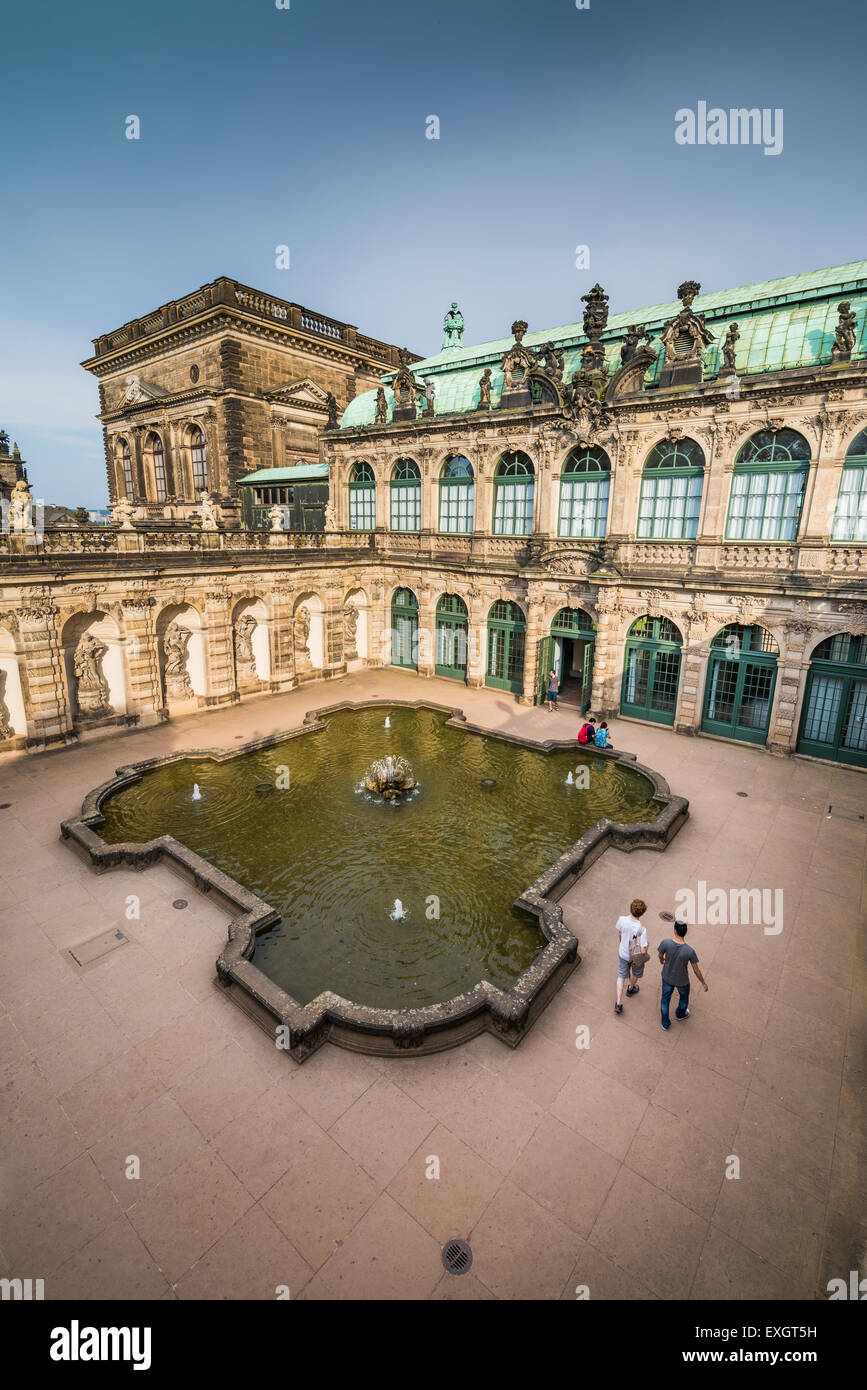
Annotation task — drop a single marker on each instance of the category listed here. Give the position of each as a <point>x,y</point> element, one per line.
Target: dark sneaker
<point>666,1026</point>
<point>618,1008</point>
<point>633,989</point>
<point>682,1016</point>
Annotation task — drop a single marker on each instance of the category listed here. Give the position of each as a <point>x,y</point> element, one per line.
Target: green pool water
<point>333,859</point>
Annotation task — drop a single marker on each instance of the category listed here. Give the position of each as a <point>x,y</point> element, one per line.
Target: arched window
<point>159,466</point>
<point>126,465</point>
<point>741,675</point>
<point>651,670</point>
<point>405,496</point>
<point>569,652</point>
<point>671,491</point>
<point>362,498</point>
<point>506,638</point>
<point>452,622</point>
<point>456,496</point>
<point>584,489</point>
<point>834,722</point>
<point>513,496</point>
<point>850,515</point>
<point>198,461</point>
<point>404,629</point>
<point>768,487</point>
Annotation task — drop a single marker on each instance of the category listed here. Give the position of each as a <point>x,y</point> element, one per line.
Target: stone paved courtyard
<point>562,1166</point>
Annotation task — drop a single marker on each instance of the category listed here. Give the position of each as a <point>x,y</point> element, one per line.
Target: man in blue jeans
<point>675,957</point>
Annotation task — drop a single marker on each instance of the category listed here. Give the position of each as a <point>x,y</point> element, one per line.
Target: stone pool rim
<point>300,1029</point>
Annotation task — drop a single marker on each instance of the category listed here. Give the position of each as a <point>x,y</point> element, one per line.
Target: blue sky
<point>306,127</point>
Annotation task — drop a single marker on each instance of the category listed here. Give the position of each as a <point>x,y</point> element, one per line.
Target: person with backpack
<point>632,955</point>
<point>675,958</point>
<point>587,732</point>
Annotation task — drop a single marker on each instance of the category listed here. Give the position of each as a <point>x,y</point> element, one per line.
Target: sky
<point>306,127</point>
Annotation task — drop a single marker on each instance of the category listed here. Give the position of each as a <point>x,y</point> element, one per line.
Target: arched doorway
<point>834,719</point>
<point>741,676</point>
<point>651,670</point>
<point>404,629</point>
<point>452,622</point>
<point>507,632</point>
<point>569,650</point>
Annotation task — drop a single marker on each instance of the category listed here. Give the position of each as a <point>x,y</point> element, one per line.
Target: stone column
<point>50,715</point>
<point>219,639</point>
<point>426,626</point>
<point>477,647</point>
<point>379,625</point>
<point>283,675</point>
<point>693,674</point>
<point>333,660</point>
<point>535,632</point>
<point>791,671</point>
<point>608,657</point>
<point>483,500</point>
<point>142,660</point>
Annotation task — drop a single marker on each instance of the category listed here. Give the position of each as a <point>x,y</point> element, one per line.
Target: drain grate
<point>457,1256</point>
<point>179,903</point>
<point>667,916</point>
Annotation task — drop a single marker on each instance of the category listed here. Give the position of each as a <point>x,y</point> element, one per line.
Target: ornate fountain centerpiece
<point>389,777</point>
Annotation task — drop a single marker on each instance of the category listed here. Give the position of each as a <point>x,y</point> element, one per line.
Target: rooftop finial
<point>687,292</point>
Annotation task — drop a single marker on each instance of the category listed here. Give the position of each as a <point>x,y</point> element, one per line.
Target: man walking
<point>632,951</point>
<point>675,957</point>
<point>553,690</point>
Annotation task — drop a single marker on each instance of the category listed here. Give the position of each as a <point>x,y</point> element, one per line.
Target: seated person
<point>587,732</point>
<point>603,738</point>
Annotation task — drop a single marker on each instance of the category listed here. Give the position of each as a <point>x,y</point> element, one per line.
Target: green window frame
<point>651,670</point>
<point>850,512</point>
<point>671,490</point>
<point>404,629</point>
<point>507,635</point>
<point>574,623</point>
<point>834,717</point>
<point>362,498</point>
<point>452,627</point>
<point>405,496</point>
<point>585,486</point>
<point>514,484</point>
<point>457,490</point>
<point>768,487</point>
<point>741,677</point>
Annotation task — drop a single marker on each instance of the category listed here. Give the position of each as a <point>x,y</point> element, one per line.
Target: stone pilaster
<point>219,638</point>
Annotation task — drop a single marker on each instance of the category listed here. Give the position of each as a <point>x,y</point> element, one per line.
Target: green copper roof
<point>783,323</point>
<point>300,473</point>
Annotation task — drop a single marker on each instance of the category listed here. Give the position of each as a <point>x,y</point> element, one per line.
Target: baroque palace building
<point>668,506</point>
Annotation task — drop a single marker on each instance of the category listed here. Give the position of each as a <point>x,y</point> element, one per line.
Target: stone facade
<point>248,370</point>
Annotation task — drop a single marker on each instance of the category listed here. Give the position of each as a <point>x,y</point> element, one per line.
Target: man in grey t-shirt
<point>676,957</point>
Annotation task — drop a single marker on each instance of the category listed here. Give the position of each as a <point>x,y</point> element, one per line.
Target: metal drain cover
<point>180,902</point>
<point>457,1256</point>
<point>667,916</point>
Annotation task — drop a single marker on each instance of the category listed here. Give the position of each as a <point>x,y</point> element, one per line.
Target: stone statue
<point>21,507</point>
<point>550,358</point>
<point>277,517</point>
<point>630,347</point>
<point>4,442</point>
<point>175,643</point>
<point>208,513</point>
<point>728,348</point>
<point>519,328</point>
<point>92,692</point>
<point>6,730</point>
<point>245,661</point>
<point>844,335</point>
<point>331,404</point>
<point>302,632</point>
<point>122,513</point>
<point>485,390</point>
<point>687,292</point>
<point>430,394</point>
<point>685,337</point>
<point>381,406</point>
<point>453,326</point>
<point>350,624</point>
<point>330,516</point>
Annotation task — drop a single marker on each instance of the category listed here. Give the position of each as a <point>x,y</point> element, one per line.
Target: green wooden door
<point>545,659</point>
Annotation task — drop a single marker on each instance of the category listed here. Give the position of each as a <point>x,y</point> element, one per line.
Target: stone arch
<point>13,708</point>
<point>254,638</point>
<point>94,665</point>
<point>188,658</point>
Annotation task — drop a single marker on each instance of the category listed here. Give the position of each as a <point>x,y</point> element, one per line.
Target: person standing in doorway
<point>553,689</point>
<point>676,957</point>
<point>633,940</point>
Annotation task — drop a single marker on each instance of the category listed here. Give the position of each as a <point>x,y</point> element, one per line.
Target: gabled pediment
<point>302,392</point>
<point>138,390</point>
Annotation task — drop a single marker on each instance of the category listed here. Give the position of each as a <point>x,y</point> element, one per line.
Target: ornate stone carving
<point>21,507</point>
<point>855,615</point>
<point>485,390</point>
<point>302,632</point>
<point>6,730</point>
<point>122,512</point>
<point>381,406</point>
<point>453,328</point>
<point>331,407</point>
<point>245,660</point>
<point>406,390</point>
<point>516,366</point>
<point>684,338</point>
<point>208,512</point>
<point>844,333</point>
<point>350,628</point>
<point>728,349</point>
<point>92,688</point>
<point>277,517</point>
<point>175,645</point>
<point>569,562</point>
